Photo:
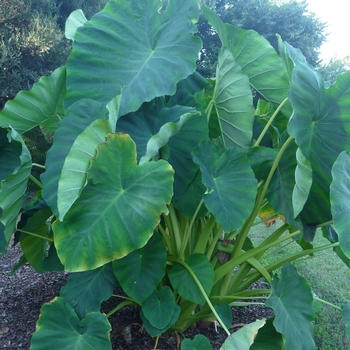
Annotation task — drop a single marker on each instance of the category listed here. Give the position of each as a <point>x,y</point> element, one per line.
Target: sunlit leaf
<point>122,204</point>
<point>144,65</point>
<point>42,105</point>
<point>244,337</point>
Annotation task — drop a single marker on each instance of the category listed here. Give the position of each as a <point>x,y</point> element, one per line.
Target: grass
<point>329,279</point>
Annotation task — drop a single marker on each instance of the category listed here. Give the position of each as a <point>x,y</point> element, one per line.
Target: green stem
<point>202,241</point>
<point>169,244</point>
<point>276,264</point>
<point>231,264</point>
<point>37,182</point>
<point>35,235</point>
<point>38,165</point>
<point>327,303</point>
<point>176,228</point>
<point>270,122</point>
<point>214,243</point>
<point>189,229</point>
<point>119,306</point>
<point>193,275</point>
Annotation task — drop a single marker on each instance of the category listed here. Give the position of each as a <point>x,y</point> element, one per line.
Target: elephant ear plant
<point>157,175</point>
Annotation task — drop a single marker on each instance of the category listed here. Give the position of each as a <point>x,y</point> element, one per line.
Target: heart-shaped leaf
<point>85,291</point>
<point>157,308</point>
<point>79,118</point>
<point>292,299</point>
<point>59,328</point>
<point>184,283</point>
<point>153,331</point>
<point>13,187</point>
<point>137,64</point>
<point>122,204</point>
<point>233,102</point>
<point>225,313</point>
<point>140,272</point>
<point>41,105</point>
<point>230,181</point>
<point>199,342</point>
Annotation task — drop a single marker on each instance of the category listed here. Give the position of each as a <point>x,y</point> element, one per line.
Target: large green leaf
<point>319,119</point>
<point>225,313</point>
<point>233,102</point>
<point>42,105</point>
<point>346,316</point>
<point>153,331</point>
<point>10,153</point>
<point>117,210</point>
<point>291,299</point>
<point>230,182</point>
<point>73,176</point>
<point>257,58</point>
<point>35,247</point>
<point>59,328</point>
<point>85,291</point>
<point>158,307</point>
<point>303,182</point>
<point>340,199</point>
<point>13,187</point>
<point>153,121</point>
<point>72,154</point>
<point>140,272</point>
<point>183,282</point>
<point>130,46</point>
<point>243,338</point>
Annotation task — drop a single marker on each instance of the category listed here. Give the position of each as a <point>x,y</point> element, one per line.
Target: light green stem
<point>193,275</point>
<point>327,303</point>
<point>257,143</point>
<point>38,165</point>
<point>35,235</point>
<point>37,182</point>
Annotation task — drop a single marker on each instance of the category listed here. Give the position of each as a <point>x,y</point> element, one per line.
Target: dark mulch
<point>22,295</point>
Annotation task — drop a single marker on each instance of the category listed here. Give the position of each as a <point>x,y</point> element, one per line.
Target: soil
<point>22,295</point>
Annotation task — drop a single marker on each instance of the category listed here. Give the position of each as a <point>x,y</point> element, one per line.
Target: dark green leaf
<point>59,328</point>
<point>184,283</point>
<point>315,110</point>
<point>13,190</point>
<point>140,272</point>
<point>291,299</point>
<point>199,342</point>
<point>158,307</point>
<point>85,291</point>
<point>230,182</point>
<point>225,313</point>
<point>153,331</point>
<point>268,338</point>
